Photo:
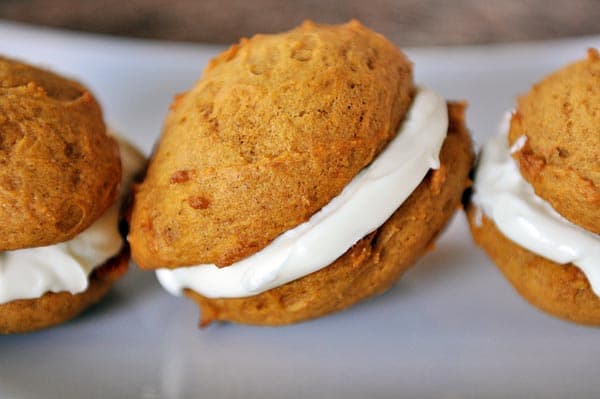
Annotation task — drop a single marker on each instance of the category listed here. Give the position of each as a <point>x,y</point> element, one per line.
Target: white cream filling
<point>511,203</point>
<point>364,205</point>
<point>31,272</point>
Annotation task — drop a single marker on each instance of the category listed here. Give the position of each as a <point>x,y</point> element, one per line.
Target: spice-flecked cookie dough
<point>374,263</point>
<point>247,153</point>
<point>561,290</point>
<point>60,170</point>
<point>61,184</point>
<point>535,207</point>
<point>273,134</point>
<point>560,117</point>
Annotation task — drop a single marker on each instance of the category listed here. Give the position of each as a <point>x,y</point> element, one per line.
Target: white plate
<point>451,328</point>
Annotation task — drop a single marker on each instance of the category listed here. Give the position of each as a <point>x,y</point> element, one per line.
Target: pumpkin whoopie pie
<point>303,172</point>
<point>535,207</point>
<point>62,178</point>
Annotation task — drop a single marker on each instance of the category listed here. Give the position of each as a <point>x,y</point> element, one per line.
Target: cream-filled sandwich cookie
<point>546,155</point>
<point>304,172</point>
<point>62,183</point>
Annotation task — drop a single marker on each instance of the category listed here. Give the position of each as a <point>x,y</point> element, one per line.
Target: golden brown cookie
<point>59,173</point>
<point>561,290</point>
<point>59,170</point>
<point>560,117</point>
<point>26,315</point>
<point>374,263</point>
<point>274,129</point>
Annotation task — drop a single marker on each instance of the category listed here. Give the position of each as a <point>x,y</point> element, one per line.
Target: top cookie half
<point>59,171</point>
<point>560,117</point>
<point>274,129</point>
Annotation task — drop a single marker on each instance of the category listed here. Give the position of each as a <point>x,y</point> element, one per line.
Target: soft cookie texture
<point>560,117</point>
<point>374,263</point>
<point>274,129</point>
<point>59,173</point>
<point>26,315</point>
<point>561,290</point>
<point>59,170</point>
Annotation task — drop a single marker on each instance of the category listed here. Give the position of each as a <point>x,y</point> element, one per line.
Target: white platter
<point>451,328</point>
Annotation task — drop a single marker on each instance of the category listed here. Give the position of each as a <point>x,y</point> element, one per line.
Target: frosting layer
<point>511,203</point>
<point>31,272</point>
<point>364,205</point>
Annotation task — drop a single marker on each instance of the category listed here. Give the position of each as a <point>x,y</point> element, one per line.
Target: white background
<point>451,328</point>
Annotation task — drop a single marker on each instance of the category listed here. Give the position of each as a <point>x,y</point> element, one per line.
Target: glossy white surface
<point>451,328</point>
<point>370,198</point>
<point>510,202</point>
